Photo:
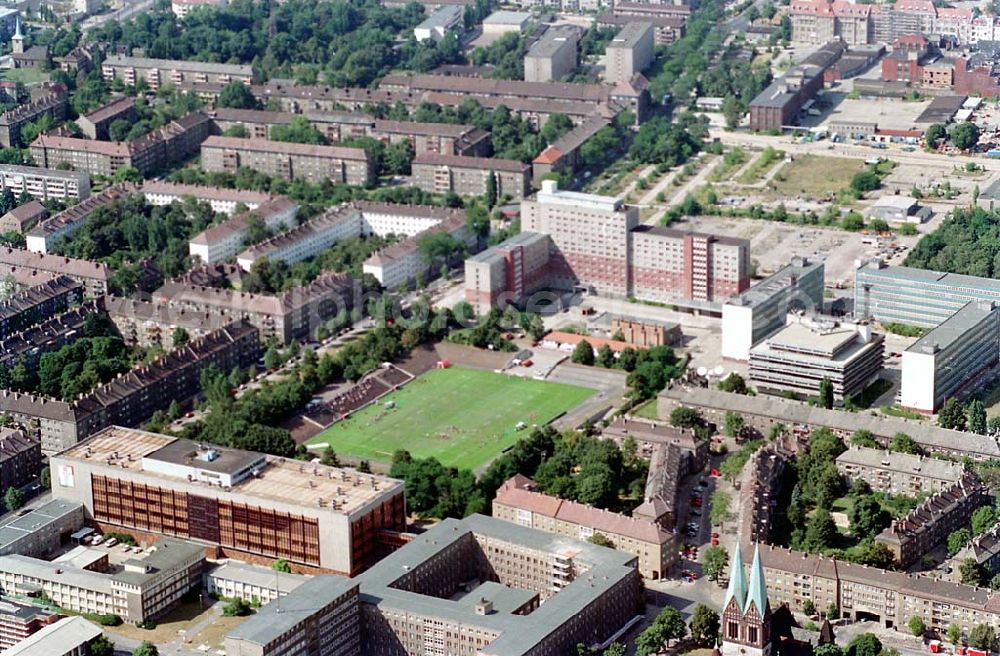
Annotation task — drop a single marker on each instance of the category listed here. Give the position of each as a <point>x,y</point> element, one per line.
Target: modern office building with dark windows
<point>249,504</point>
<point>915,297</point>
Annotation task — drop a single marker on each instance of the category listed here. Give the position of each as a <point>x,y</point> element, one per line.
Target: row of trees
<point>649,369</point>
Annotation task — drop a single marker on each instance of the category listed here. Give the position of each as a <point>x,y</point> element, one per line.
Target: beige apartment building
<point>630,52</point>
<point>470,176</point>
<point>899,473</point>
<point>93,275</point>
<point>553,56</point>
<point>518,501</point>
<point>174,71</point>
<point>291,161</point>
<point>220,199</point>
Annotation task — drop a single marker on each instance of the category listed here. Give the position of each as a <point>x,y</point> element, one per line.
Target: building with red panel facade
<point>257,506</point>
<point>920,63</point>
<point>582,240</point>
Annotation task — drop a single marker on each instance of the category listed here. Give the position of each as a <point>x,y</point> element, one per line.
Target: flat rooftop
<point>821,338</point>
<point>902,462</point>
<point>282,480</point>
<point>777,282</point>
<point>552,195</point>
<point>954,327</point>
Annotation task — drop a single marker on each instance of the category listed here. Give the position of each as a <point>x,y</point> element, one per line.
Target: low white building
<point>436,26</point>
<point>225,240</point>
<point>220,199</point>
<point>899,209</point>
<point>70,636</point>
<point>504,21</point>
<point>234,580</point>
<point>182,8</point>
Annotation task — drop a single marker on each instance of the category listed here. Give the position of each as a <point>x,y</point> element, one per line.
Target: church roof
<point>737,580</point>
<point>757,590</point>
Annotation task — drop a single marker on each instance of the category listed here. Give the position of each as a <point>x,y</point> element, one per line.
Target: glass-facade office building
<point>916,297</point>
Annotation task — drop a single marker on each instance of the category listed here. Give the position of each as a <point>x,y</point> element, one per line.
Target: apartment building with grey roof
<point>531,592</point>
<point>33,305</point>
<point>174,71</point>
<point>45,184</point>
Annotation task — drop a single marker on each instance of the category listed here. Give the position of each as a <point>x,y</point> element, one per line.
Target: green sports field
<point>463,417</point>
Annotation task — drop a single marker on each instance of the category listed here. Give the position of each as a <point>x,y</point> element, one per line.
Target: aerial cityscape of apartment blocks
<point>261,507</point>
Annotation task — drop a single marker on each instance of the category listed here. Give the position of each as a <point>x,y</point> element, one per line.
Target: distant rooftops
<point>236,70</point>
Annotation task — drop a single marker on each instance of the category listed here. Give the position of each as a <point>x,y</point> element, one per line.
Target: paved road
<point>128,10</point>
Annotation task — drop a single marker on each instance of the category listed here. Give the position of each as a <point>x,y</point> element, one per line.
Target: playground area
<point>463,417</point>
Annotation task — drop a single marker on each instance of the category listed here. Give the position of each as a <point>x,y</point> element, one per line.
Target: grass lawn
<point>463,417</point>
<point>25,76</point>
<point>647,410</point>
<point>813,176</point>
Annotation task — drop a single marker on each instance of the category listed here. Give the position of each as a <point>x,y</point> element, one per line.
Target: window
<point>733,630</point>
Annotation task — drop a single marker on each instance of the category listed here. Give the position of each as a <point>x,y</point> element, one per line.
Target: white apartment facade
<point>223,241</point>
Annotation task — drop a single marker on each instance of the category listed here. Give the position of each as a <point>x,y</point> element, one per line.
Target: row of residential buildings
<point>570,239</point>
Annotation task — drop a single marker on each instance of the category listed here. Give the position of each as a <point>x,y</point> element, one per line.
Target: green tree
<point>101,646</point>
<point>180,337</point>
<point>983,519</point>
<point>236,608</point>
<point>715,562</point>
<point>601,540</point>
<point>975,414</point>
<point>14,499</point>
<point>952,415</point>
<point>146,648</point>
<point>903,443</point>
<point>954,633</point>
<point>916,626</point>
<point>238,96</point>
<point>958,539</point>
<point>734,424</point>
<point>808,607</point>
<point>704,625</point>
<point>734,383</point>
<point>719,512</point>
<point>272,358</point>
<point>668,625</point>
<point>935,133</point>
<point>971,572</point>
<point>864,438</point>
<point>583,353</point>
<point>45,478</point>
<point>821,531</point>
<point>995,582</point>
<point>281,565</point>
<point>732,110</point>
<point>833,611</point>
<point>866,644</point>
<point>826,396</point>
<point>868,517</point>
<point>491,190</point>
<point>874,554</point>
<point>828,650</point>
<point>365,467</point>
<point>615,649</point>
<point>982,636</point>
<point>866,180</point>
<point>965,135</point>
<point>605,357</point>
<point>684,417</point>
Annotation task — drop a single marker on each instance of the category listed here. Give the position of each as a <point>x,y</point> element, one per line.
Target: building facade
<point>20,458</point>
<point>518,501</point>
<point>290,161</point>
<point>224,240</point>
<point>553,56</point>
<point>471,176</point>
<point>631,51</point>
<point>45,184</point>
<point>173,71</point>
<point>800,356</point>
<point>762,310</point>
<point>953,360</point>
<point>898,473</point>
<point>35,304</point>
<point>263,507</point>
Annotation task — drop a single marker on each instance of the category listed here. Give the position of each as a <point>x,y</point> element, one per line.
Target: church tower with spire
<point>746,613</point>
<point>17,41</point>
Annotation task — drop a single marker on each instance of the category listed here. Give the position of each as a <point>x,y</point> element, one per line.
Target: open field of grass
<point>25,75</point>
<point>815,177</point>
<point>463,417</point>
